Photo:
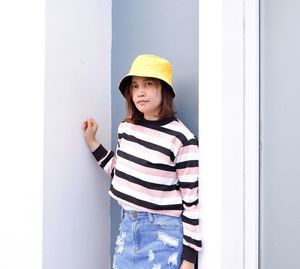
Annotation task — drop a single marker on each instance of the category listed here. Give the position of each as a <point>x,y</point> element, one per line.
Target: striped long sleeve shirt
<point>155,170</point>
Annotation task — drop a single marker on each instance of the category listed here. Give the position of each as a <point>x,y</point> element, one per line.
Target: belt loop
<point>122,213</point>
<point>150,217</point>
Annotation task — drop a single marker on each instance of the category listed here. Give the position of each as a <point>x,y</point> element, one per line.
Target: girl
<point>154,173</point>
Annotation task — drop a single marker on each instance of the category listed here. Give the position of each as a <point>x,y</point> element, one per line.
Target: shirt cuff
<point>189,254</point>
<point>99,153</point>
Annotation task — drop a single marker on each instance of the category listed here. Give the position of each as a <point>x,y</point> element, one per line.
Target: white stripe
<point>191,156</point>
<point>191,214</point>
<point>145,176</point>
<point>190,198</point>
<point>180,128</point>
<point>107,168</point>
<point>188,178</point>
<point>193,235</point>
<point>101,160</point>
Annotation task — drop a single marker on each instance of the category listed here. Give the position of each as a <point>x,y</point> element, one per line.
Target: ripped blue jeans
<point>148,241</point>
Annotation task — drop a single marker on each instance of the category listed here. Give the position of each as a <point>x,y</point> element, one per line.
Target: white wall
<point>77,86</point>
<point>21,143</point>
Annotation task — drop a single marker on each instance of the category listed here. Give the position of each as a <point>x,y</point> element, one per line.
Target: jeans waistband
<point>136,214</point>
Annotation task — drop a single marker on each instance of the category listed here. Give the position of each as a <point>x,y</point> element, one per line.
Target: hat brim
<point>126,81</point>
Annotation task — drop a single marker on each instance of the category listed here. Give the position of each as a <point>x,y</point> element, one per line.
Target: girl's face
<point>147,96</point>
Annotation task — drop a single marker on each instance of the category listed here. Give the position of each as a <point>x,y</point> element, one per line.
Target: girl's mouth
<point>141,102</point>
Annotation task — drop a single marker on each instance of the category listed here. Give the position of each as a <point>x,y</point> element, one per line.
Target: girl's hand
<point>187,265</point>
<point>90,128</point>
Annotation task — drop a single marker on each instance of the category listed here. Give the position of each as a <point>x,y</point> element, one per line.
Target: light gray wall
<point>168,28</point>
<point>77,85</point>
<point>280,134</point>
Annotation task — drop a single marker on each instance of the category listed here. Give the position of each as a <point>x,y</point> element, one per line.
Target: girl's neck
<point>151,118</point>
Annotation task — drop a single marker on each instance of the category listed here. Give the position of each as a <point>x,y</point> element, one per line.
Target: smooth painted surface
<point>280,132</point>
<point>76,203</point>
<point>170,29</point>
<point>21,115</point>
<point>233,136</point>
<point>211,131</point>
<point>240,134</point>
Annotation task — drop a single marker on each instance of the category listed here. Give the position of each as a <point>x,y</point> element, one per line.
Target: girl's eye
<point>148,84</point>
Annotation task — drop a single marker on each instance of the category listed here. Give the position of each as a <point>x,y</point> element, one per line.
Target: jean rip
<point>167,239</point>
<point>120,243</point>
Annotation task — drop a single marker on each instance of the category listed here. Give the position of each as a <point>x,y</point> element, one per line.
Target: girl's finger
<point>93,123</point>
<point>84,125</point>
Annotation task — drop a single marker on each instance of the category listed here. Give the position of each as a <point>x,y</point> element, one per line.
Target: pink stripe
<point>151,193</point>
<point>155,134</point>
<point>147,153</point>
<point>188,171</point>
<point>177,126</point>
<point>189,149</point>
<point>189,192</point>
<point>195,229</point>
<point>180,127</point>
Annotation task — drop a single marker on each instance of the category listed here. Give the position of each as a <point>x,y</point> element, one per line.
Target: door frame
<point>229,133</point>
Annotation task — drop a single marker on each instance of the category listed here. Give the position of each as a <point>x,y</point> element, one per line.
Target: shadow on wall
<point>77,86</point>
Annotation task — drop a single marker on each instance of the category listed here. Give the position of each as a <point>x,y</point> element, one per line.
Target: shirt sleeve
<point>106,159</point>
<point>187,172</point>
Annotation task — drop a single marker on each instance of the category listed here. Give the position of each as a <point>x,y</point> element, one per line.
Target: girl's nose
<point>141,92</point>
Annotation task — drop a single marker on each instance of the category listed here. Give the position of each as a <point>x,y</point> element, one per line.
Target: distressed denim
<point>148,241</point>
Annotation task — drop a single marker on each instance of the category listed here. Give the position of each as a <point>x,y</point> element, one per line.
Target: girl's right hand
<point>90,128</point>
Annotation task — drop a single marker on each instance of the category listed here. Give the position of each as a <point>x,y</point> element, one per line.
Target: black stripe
<point>112,173</point>
<point>156,123</point>
<point>191,204</point>
<point>198,243</point>
<point>99,153</point>
<point>145,163</point>
<point>193,141</point>
<point>188,185</point>
<point>191,163</point>
<point>145,204</point>
<point>184,140</point>
<point>148,145</point>
<point>179,135</point>
<point>107,159</point>
<point>190,221</point>
<point>149,185</point>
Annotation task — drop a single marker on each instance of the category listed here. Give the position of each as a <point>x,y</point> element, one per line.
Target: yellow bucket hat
<point>149,65</point>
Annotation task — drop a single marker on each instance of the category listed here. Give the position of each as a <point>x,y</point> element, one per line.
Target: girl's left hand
<point>187,265</point>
